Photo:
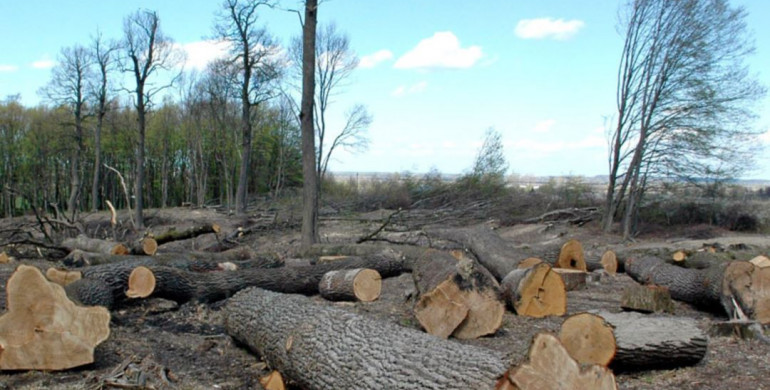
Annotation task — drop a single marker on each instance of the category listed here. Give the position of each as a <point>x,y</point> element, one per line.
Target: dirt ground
<point>160,344</point>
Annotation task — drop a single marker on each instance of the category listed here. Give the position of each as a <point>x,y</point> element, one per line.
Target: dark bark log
<point>146,246</point>
<point>647,299</point>
<point>95,245</point>
<point>178,235</point>
<point>192,261</point>
<point>320,347</point>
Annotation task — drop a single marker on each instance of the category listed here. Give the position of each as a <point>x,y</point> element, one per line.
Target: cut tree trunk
<point>640,341</point>
<point>178,235</point>
<point>608,262</point>
<point>146,246</point>
<point>193,261</point>
<point>296,336</point>
<point>458,296</point>
<point>360,284</point>
<point>535,292</point>
<point>738,287</point>
<point>43,330</point>
<point>551,367</point>
<point>573,279</point>
<point>95,245</point>
<point>647,299</point>
<point>571,256</point>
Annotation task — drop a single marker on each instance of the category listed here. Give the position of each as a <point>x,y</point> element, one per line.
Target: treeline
<point>192,153</point>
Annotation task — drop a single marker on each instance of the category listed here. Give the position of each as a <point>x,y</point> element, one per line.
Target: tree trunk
<point>310,179</point>
<point>295,336</point>
<point>457,296</point>
<point>633,341</point>
<point>177,235</point>
<point>647,299</point>
<point>140,149</point>
<point>95,245</point>
<point>359,284</point>
<point>242,257</point>
<point>737,287</point>
<point>535,292</point>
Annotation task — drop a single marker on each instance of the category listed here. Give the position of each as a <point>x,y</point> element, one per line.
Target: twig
<point>125,192</point>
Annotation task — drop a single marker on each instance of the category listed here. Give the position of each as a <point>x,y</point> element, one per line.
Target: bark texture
<point>647,299</point>
<point>325,348</point>
<point>358,284</point>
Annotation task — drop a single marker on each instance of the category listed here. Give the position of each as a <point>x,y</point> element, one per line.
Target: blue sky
<point>434,74</point>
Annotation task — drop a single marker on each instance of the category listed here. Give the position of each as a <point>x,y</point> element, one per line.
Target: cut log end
<point>588,339</point>
<point>62,277</point>
<point>43,330</point>
<point>120,249</point>
<point>141,283</point>
<point>216,228</point>
<point>359,284</point>
<point>273,381</point>
<point>149,246</point>
<point>4,258</point>
<point>610,262</point>
<point>761,261</point>
<point>679,256</point>
<point>440,311</point>
<point>551,367</point>
<point>571,256</point>
<point>749,286</point>
<point>535,292</point>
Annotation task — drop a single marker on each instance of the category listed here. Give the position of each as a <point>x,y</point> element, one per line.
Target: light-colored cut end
<point>273,381</point>
<point>4,258</point>
<point>749,286</point>
<point>588,339</point>
<point>679,256</point>
<point>149,246</point>
<point>120,249</point>
<point>442,310</point>
<point>571,256</point>
<point>367,285</point>
<point>216,228</point>
<point>536,291</point>
<point>329,259</point>
<point>141,283</point>
<point>610,262</point>
<point>761,261</point>
<point>529,262</point>
<point>62,277</point>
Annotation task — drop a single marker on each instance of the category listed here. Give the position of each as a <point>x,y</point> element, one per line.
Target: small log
<point>295,335</point>
<point>571,256</point>
<point>679,256</point>
<point>43,330</point>
<point>761,261</point>
<point>178,235</point>
<point>647,299</point>
<point>742,329</point>
<point>358,284</point>
<point>272,381</point>
<point>458,297</point>
<point>642,341</point>
<point>535,292</point>
<point>95,245</point>
<point>738,287</point>
<point>200,261</point>
<point>607,262</point>
<point>551,367</point>
<point>573,279</point>
<point>62,277</point>
<point>141,283</point>
<point>327,259</point>
<point>146,246</point>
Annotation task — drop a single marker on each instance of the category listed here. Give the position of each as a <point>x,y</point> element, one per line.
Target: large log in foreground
<point>43,330</point>
<point>633,341</point>
<point>458,296</point>
<point>327,348</point>
<point>738,287</point>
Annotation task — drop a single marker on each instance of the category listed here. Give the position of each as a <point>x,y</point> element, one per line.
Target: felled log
<point>95,245</point>
<point>145,246</point>
<point>43,330</point>
<point>571,256</point>
<point>573,279</point>
<point>181,286</point>
<point>458,296</point>
<point>243,257</point>
<point>608,262</point>
<point>646,299</point>
<point>359,284</point>
<point>535,292</point>
<point>551,367</point>
<point>701,259</point>
<point>178,235</point>
<point>633,341</point>
<point>737,287</point>
<point>295,335</point>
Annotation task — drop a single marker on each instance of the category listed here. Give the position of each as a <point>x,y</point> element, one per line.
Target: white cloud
<point>408,90</point>
<point>442,50</point>
<point>8,68</point>
<point>375,58</point>
<point>544,126</point>
<point>765,137</point>
<point>543,28</point>
<point>44,63</point>
<point>201,53</point>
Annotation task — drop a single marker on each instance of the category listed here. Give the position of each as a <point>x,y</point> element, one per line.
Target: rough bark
<point>608,261</point>
<point>359,284</point>
<point>323,348</point>
<point>178,235</point>
<point>243,257</point>
<point>738,287</point>
<point>642,341</point>
<point>43,330</point>
<point>458,296</point>
<point>573,279</point>
<point>95,245</point>
<point>647,299</point>
<point>146,246</point>
<point>535,292</point>
<point>310,183</point>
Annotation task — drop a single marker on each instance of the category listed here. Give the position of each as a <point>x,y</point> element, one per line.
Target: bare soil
<point>159,344</point>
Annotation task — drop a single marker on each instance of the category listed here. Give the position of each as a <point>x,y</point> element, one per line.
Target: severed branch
<point>125,192</point>
<point>378,230</point>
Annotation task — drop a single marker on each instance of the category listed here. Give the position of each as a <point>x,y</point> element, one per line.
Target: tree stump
<point>358,284</point>
<point>43,329</point>
<point>647,299</point>
<point>535,292</point>
<point>458,297</point>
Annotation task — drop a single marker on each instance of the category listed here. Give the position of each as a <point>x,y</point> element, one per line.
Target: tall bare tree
<point>68,88</point>
<point>103,55</point>
<point>147,53</point>
<point>310,180</point>
<point>684,99</point>
<point>253,53</point>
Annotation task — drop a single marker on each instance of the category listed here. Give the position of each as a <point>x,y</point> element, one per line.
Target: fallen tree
<point>737,287</point>
<point>178,235</point>
<point>194,261</point>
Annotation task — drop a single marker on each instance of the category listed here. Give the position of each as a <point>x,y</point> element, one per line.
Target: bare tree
<point>310,185</point>
<point>68,88</point>
<point>103,55</point>
<point>147,53</point>
<point>253,53</point>
<point>684,99</point>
